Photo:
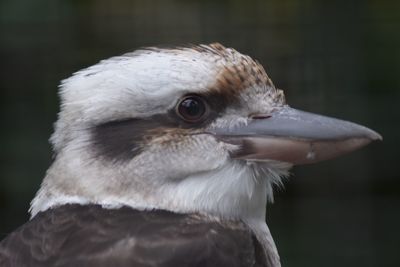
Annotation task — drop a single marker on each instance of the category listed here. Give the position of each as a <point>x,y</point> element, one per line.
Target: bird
<point>168,156</point>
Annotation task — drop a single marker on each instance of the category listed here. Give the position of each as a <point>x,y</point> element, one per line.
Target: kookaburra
<point>167,157</point>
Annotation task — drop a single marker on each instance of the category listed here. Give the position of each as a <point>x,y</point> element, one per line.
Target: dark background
<point>339,58</point>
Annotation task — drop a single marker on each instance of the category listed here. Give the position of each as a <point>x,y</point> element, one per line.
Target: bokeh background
<point>339,58</point>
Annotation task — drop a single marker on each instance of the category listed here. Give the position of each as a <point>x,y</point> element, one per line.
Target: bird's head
<point>195,129</point>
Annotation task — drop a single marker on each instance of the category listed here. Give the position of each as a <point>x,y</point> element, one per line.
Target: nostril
<point>260,116</point>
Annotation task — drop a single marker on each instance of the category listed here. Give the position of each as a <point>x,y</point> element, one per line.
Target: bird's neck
<point>229,192</point>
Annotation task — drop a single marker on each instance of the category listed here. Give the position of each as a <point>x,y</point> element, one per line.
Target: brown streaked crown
<point>237,72</point>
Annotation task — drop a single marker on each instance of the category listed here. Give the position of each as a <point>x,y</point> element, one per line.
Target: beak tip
<point>377,137</point>
<point>374,136</point>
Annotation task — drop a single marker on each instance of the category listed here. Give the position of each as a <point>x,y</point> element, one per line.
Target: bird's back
<point>89,235</point>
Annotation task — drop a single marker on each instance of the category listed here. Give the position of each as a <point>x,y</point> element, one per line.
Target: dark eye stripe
<point>122,140</point>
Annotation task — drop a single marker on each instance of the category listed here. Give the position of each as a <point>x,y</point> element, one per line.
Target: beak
<point>295,136</point>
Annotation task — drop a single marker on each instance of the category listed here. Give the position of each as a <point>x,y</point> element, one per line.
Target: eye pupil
<point>192,109</point>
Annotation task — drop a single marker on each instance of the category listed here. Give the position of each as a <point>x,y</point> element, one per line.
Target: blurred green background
<point>338,58</point>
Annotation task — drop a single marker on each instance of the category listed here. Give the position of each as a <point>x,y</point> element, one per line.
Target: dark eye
<point>192,109</point>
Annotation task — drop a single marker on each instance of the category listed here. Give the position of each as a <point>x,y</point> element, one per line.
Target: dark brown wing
<point>88,235</point>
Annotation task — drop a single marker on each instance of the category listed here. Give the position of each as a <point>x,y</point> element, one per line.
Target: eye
<point>192,109</point>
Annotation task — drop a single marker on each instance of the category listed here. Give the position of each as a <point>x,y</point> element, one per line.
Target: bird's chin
<point>265,166</point>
